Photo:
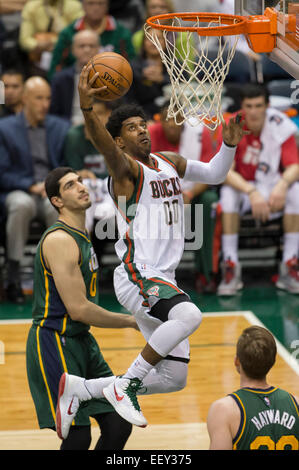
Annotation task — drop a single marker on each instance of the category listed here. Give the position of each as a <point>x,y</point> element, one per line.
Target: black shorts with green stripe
<point>48,355</point>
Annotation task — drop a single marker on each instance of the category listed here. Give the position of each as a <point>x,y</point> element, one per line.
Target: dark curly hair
<point>52,183</point>
<point>119,115</point>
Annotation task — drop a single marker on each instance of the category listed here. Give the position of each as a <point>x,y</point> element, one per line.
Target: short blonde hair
<point>256,351</point>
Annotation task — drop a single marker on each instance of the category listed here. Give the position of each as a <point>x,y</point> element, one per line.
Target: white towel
<point>277,129</point>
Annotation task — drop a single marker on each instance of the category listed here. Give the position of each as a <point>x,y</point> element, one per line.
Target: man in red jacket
<point>263,181</point>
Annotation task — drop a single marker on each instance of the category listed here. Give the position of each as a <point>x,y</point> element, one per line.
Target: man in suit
<point>13,81</point>
<point>114,37</point>
<point>65,96</point>
<point>31,144</point>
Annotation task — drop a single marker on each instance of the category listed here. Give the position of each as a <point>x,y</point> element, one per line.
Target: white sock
<point>290,246</point>
<point>139,368</point>
<point>95,386</point>
<point>230,247</point>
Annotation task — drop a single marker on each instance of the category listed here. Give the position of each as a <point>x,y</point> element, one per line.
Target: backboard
<point>286,52</point>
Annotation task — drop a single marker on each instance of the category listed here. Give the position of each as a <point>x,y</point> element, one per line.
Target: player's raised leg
<point>182,320</point>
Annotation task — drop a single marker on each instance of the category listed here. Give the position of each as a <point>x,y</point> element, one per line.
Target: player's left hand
<point>86,92</point>
<point>233,132</point>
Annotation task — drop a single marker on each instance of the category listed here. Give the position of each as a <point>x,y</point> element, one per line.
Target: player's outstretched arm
<point>216,170</point>
<point>62,254</point>
<point>118,165</point>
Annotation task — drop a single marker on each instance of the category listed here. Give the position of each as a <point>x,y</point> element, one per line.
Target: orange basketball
<point>114,71</point>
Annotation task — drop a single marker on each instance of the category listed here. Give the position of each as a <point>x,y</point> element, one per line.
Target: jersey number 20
<point>285,441</point>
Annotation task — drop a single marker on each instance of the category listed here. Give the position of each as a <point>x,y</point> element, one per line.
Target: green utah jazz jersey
<point>48,308</point>
<point>269,420</point>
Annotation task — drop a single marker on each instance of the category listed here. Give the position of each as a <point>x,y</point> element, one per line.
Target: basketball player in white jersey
<point>146,190</point>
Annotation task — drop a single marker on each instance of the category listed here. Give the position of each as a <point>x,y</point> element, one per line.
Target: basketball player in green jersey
<point>65,305</point>
<point>257,416</point>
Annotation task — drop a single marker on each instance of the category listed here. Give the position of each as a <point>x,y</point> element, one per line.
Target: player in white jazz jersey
<point>146,190</point>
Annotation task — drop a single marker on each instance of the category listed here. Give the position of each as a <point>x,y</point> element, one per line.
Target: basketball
<point>114,71</point>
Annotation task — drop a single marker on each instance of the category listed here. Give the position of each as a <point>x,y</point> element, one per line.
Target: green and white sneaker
<point>122,395</point>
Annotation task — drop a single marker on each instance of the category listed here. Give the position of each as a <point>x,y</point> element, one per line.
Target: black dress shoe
<point>15,294</point>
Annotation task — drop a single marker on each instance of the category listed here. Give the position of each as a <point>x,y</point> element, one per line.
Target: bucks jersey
<point>151,223</point>
<point>48,308</point>
<point>269,420</point>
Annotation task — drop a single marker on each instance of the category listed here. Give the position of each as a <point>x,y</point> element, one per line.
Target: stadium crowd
<point>43,46</point>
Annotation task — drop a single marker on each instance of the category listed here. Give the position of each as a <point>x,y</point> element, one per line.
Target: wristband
<point>87,109</point>
<point>230,146</point>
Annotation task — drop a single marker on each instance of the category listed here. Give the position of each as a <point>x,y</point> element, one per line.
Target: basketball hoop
<point>198,68</point>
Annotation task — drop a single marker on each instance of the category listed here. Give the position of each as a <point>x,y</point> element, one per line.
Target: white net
<point>197,67</point>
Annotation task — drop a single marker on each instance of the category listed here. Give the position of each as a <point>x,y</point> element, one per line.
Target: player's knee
<point>195,317</point>
<point>188,314</point>
<point>291,205</point>
<point>229,199</point>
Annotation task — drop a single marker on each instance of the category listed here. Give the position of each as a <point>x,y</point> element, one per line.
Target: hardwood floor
<point>176,421</point>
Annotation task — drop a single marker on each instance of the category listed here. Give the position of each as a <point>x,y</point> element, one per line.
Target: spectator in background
<point>161,7</point>
<point>31,144</point>
<point>128,12</point>
<point>112,36</point>
<point>2,39</point>
<point>195,143</point>
<point>13,81</point>
<point>227,7</point>
<point>42,21</point>
<point>79,151</point>
<point>82,156</point>
<point>11,55</point>
<point>12,6</point>
<point>150,77</point>
<point>65,96</point>
<point>263,181</point>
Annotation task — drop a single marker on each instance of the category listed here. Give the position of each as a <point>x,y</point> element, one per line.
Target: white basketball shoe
<point>70,394</point>
<point>122,395</point>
